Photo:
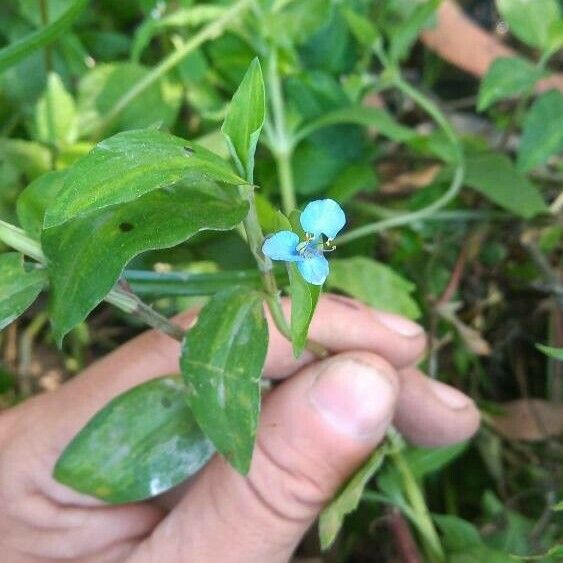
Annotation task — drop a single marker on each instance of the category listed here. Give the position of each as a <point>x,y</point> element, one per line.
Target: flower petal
<point>323,216</point>
<point>282,246</point>
<point>314,270</point>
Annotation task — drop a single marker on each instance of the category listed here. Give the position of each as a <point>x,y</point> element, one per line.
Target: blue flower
<point>321,218</point>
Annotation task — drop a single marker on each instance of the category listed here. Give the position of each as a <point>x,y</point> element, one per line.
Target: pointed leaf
<point>551,351</point>
<point>542,135</point>
<point>494,176</point>
<point>86,256</point>
<point>375,284</point>
<point>129,165</point>
<point>347,500</point>
<point>142,443</point>
<point>507,77</point>
<point>222,360</point>
<point>245,119</point>
<point>18,288</point>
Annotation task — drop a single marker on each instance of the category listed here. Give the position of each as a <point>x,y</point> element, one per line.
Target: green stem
<point>126,301</point>
<point>280,141</point>
<point>211,31</point>
<point>419,513</point>
<point>452,191</point>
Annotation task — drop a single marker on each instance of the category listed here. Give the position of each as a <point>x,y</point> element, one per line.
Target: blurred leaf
<point>24,47</point>
<point>373,283</point>
<point>101,88</point>
<point>244,120</point>
<point>129,165</point>
<point>222,360</point>
<point>18,287</point>
<point>494,176</point>
<point>424,461</point>
<point>377,118</point>
<point>403,35</point>
<point>529,419</point>
<point>464,544</point>
<point>87,255</point>
<point>507,77</point>
<point>34,200</point>
<point>354,178</point>
<point>542,134</point>
<point>361,27</point>
<point>550,351</point>
<point>27,157</point>
<point>530,21</point>
<point>55,114</point>
<point>142,443</point>
<point>347,500</point>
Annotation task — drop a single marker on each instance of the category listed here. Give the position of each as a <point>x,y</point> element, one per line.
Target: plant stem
<point>281,144</point>
<point>420,513</point>
<point>452,191</point>
<point>211,31</point>
<point>120,298</point>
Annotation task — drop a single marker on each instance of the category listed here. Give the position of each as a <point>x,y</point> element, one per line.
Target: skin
<point>317,426</point>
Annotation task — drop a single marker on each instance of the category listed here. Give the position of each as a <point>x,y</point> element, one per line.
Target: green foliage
<point>552,352</point>
<point>18,288</point>
<point>348,498</point>
<point>82,273</point>
<point>129,165</point>
<point>494,175</point>
<point>123,455</point>
<point>245,119</point>
<point>542,134</point>
<point>373,283</point>
<point>506,78</point>
<point>222,360</point>
<point>530,21</point>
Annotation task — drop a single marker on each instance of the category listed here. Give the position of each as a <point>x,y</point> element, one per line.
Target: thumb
<point>315,429</point>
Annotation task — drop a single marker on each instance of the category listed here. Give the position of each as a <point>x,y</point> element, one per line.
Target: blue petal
<point>282,246</point>
<point>323,216</point>
<point>314,270</point>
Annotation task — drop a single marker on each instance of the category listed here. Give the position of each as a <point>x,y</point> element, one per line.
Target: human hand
<point>316,428</point>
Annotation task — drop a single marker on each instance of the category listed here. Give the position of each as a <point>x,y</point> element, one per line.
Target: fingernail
<point>355,398</point>
<point>399,324</point>
<point>450,396</point>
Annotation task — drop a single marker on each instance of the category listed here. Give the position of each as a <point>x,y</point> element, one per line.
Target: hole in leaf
<point>189,151</point>
<point>126,227</point>
<point>166,402</point>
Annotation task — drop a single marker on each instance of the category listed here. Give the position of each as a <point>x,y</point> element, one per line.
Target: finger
<point>340,324</point>
<point>430,413</point>
<point>316,428</point>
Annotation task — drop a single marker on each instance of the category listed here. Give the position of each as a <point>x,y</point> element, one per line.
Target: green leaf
<point>26,46</point>
<point>222,360</point>
<point>494,176</point>
<point>403,36</point>
<point>373,283</point>
<point>361,27</point>
<point>86,256</point>
<point>142,443</point>
<point>530,20</point>
<point>101,88</point>
<point>464,544</point>
<point>424,461</point>
<point>34,200</point>
<point>551,351</point>
<point>347,500</point>
<point>244,120</point>
<point>507,77</point>
<point>18,288</point>
<point>55,114</point>
<point>359,115</point>
<point>304,299</point>
<point>129,165</point>
<point>542,135</point>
